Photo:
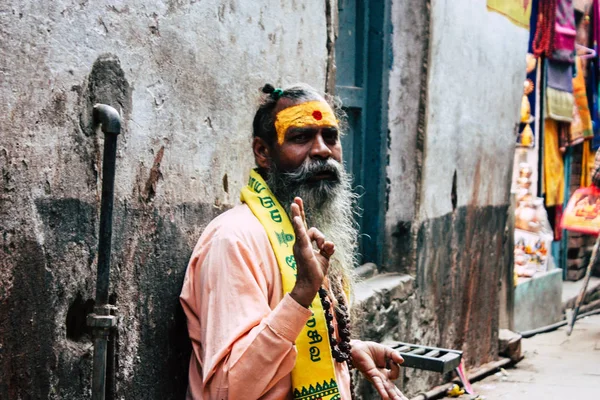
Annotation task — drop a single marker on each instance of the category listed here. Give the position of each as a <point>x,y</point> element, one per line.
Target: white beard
<point>329,206</point>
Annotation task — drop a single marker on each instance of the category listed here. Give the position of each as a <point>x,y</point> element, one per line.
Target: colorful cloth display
<point>553,182</point>
<point>559,105</point>
<point>564,32</point>
<point>560,76</point>
<point>587,165</point>
<point>581,127</point>
<point>559,91</point>
<point>593,83</point>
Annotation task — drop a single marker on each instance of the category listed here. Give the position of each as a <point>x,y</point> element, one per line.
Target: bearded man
<point>265,295</point>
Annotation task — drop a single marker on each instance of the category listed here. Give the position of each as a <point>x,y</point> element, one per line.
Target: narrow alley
<point>556,366</point>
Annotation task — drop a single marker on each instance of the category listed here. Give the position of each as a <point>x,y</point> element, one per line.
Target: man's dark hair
<point>263,125</point>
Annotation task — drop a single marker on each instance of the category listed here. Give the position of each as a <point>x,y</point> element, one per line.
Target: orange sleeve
<point>241,345</point>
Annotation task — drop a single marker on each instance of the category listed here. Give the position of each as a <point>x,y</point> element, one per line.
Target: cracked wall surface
<point>185,76</point>
<point>455,89</point>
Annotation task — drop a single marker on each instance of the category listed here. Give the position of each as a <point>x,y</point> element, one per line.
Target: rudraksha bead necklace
<point>339,350</point>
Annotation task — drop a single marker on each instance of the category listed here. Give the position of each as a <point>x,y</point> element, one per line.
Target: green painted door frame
<point>363,60</point>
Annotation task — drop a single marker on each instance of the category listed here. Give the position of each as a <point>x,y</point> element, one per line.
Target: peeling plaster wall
<point>455,90</point>
<point>475,85</point>
<point>185,76</point>
<point>407,81</point>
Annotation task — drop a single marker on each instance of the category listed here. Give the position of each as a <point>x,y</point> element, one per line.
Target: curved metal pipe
<point>102,320</point>
<point>108,117</point>
<point>110,121</point>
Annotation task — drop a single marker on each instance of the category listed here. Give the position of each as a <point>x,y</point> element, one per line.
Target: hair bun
<point>268,88</point>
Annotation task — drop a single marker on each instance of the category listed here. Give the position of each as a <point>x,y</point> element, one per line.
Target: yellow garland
<point>315,113</point>
<point>313,375</point>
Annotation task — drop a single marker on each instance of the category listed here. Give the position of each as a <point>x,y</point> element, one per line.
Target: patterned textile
<point>313,376</point>
<point>581,127</point>
<point>564,34</point>
<point>559,105</point>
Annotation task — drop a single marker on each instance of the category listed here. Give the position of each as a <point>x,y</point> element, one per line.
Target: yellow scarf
<point>313,376</point>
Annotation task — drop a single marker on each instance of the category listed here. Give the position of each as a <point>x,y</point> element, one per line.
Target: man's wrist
<point>302,297</point>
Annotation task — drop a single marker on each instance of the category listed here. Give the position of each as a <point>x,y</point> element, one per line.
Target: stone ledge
<point>366,271</point>
<point>394,285</point>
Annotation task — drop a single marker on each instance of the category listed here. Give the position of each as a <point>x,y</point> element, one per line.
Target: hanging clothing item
<point>564,32</point>
<point>593,81</point>
<point>593,86</point>
<point>553,182</point>
<point>582,120</point>
<point>559,91</point>
<point>564,139</point>
<point>587,164</point>
<point>560,76</point>
<point>559,105</point>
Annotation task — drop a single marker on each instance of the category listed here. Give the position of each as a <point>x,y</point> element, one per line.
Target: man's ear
<point>262,153</point>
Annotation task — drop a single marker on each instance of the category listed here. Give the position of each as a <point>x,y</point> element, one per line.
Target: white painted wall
<point>474,94</point>
<point>195,83</point>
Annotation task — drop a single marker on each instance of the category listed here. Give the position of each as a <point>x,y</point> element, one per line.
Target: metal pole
<point>582,292</point>
<point>101,320</point>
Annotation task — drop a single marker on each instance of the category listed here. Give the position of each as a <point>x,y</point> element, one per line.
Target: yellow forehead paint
<point>315,113</point>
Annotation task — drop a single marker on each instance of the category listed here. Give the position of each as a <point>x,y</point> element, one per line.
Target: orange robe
<point>241,325</point>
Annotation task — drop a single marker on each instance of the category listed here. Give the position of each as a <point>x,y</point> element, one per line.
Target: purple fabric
<point>560,76</point>
<point>564,34</point>
<point>565,13</point>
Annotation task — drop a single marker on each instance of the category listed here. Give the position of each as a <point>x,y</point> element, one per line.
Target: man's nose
<point>319,148</point>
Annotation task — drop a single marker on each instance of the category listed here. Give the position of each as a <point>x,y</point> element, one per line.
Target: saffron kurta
<point>241,326</point>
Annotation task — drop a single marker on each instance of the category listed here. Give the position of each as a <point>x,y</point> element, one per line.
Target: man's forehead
<point>309,113</point>
<point>286,102</point>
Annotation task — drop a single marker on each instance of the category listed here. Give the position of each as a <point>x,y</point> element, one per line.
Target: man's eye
<point>330,136</point>
<point>300,138</point>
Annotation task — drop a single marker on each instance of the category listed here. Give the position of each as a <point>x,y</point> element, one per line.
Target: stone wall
<point>185,76</point>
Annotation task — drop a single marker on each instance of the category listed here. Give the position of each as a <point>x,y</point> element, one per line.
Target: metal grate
<point>428,358</point>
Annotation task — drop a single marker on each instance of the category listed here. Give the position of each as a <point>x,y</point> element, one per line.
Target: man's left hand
<point>380,365</point>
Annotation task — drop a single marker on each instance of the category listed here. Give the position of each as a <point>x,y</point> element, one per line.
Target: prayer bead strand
<point>341,351</point>
<point>543,42</point>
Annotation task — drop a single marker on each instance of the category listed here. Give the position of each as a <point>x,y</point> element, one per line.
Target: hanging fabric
<point>559,91</point>
<point>587,164</point>
<point>559,105</point>
<point>581,127</point>
<point>593,83</point>
<point>553,182</point>
<point>564,32</point>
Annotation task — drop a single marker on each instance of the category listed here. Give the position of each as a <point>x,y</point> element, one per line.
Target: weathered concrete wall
<point>406,121</point>
<point>185,75</point>
<point>475,82</point>
<point>455,90</point>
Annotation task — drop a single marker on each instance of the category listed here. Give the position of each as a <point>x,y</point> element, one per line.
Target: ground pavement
<point>555,367</point>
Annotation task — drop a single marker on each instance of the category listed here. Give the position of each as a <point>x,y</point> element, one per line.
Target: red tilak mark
<point>317,115</point>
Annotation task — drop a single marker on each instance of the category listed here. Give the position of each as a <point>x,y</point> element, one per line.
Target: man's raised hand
<point>311,263</point>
